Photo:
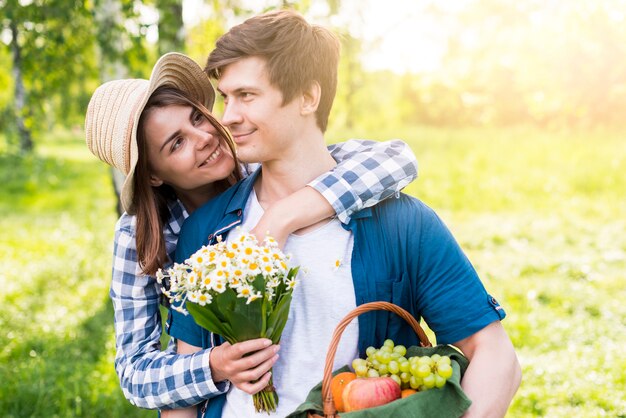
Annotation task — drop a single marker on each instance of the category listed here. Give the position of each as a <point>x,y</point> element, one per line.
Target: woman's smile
<point>212,158</point>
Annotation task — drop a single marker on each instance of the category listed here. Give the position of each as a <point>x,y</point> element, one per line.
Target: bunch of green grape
<point>419,373</point>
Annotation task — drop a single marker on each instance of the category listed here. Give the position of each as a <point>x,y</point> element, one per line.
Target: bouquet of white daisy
<point>239,290</point>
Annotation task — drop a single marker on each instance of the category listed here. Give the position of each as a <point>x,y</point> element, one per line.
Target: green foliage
<point>53,57</point>
<point>202,37</point>
<point>6,81</point>
<point>65,48</point>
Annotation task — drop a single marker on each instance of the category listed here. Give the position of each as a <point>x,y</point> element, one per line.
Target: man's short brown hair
<point>296,53</point>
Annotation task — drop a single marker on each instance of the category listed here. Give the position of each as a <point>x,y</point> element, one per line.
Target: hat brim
<point>175,70</point>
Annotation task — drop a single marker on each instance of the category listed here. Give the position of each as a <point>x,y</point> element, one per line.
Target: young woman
<point>177,156</point>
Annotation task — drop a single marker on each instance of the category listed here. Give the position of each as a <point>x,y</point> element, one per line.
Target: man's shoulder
<point>403,216</point>
<point>402,205</point>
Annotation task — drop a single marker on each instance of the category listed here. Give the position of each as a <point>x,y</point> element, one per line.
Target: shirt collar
<point>240,197</point>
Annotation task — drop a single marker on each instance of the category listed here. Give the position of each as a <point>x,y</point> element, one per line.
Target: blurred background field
<point>514,110</point>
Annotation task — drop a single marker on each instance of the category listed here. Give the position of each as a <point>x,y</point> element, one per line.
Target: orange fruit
<point>337,385</point>
<point>407,392</point>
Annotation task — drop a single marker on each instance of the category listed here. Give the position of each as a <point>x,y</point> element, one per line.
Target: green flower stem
<point>267,399</point>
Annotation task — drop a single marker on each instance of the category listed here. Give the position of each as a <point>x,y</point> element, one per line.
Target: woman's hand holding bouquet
<point>241,291</point>
<point>245,364</point>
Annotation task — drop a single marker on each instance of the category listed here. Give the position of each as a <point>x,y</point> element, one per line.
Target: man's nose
<point>232,114</point>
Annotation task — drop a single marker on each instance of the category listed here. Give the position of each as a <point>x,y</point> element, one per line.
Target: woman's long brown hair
<point>151,203</point>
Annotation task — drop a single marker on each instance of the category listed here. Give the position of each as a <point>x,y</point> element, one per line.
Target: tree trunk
<point>108,16</point>
<point>171,28</point>
<point>26,141</point>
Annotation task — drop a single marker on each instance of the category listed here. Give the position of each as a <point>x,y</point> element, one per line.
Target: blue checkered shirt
<point>367,173</point>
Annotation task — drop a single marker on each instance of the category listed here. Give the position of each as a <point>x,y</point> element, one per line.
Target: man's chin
<point>248,158</point>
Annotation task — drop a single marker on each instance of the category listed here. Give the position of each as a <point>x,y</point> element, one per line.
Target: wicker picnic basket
<point>329,405</point>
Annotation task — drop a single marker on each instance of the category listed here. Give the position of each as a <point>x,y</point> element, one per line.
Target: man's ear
<point>311,98</point>
<point>155,181</point>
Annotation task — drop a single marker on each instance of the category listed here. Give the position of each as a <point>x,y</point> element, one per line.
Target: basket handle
<point>327,396</point>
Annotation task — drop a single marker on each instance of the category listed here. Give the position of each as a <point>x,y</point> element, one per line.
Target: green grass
<point>541,216</point>
<point>56,329</point>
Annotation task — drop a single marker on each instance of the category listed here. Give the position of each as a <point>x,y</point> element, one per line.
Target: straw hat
<point>114,110</point>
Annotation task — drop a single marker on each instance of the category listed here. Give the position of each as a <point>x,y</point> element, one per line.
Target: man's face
<point>262,127</point>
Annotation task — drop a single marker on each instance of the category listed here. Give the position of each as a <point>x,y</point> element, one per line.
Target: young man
<point>277,74</point>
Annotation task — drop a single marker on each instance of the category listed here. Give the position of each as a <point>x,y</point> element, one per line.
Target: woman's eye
<point>177,143</point>
<point>197,117</point>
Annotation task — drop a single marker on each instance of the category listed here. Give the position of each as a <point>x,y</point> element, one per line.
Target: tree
<point>50,62</point>
<point>25,141</point>
<point>171,28</point>
<point>61,50</point>
<point>14,14</point>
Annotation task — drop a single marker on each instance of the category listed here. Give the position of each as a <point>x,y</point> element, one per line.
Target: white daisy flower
<point>204,298</point>
<point>254,297</point>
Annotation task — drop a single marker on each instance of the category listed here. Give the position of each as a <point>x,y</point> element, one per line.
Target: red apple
<point>368,392</point>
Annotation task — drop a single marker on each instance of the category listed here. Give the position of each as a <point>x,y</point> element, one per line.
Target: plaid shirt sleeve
<point>367,173</point>
<point>150,378</point>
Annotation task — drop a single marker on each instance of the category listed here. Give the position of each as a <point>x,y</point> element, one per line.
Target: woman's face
<point>184,150</point>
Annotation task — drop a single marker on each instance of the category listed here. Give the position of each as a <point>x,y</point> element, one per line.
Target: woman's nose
<point>203,138</point>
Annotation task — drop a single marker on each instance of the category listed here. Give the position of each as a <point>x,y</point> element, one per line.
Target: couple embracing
<point>189,181</point>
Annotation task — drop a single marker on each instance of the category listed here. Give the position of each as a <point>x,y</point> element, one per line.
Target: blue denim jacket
<point>403,254</point>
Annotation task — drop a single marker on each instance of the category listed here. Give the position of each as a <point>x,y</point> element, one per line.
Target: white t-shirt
<point>324,294</point>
